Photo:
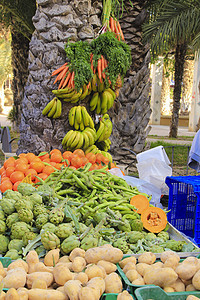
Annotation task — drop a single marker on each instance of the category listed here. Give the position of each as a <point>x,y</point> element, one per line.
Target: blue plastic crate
<point>184,205</point>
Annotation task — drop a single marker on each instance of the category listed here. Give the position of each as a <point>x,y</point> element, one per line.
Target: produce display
<point>31,167</point>
<point>169,273</point>
<point>77,208</point>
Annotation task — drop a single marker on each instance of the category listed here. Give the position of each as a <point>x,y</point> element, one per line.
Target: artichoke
<point>41,220</point>
<point>2,215</point>
<point>100,216</point>
<point>136,225</point>
<point>121,244</point>
<point>56,216</point>
<point>2,227</point>
<point>49,227</point>
<point>16,244</point>
<point>13,254</point>
<point>64,230</point>
<point>25,215</point>
<point>18,230</point>
<point>36,198</point>
<point>134,236</point>
<point>4,241</point>
<point>89,242</point>
<point>157,249</point>
<point>28,236</point>
<point>23,203</point>
<point>12,195</point>
<point>39,210</point>
<point>50,240</point>
<point>150,236</point>
<point>125,227</point>
<point>163,235</point>
<point>82,227</point>
<point>26,189</point>
<point>8,206</point>
<point>173,245</point>
<point>13,218</point>
<point>69,244</point>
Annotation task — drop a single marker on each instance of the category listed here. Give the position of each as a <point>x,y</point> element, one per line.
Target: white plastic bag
<point>153,167</point>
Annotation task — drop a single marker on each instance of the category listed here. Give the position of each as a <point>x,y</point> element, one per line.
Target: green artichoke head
<point>2,227</point>
<point>163,235</point>
<point>157,249</point>
<point>12,195</point>
<point>26,189</point>
<point>136,225</point>
<point>49,227</point>
<point>134,236</point>
<point>18,229</point>
<point>125,227</point>
<point>25,215</point>
<point>8,205</point>
<point>41,220</point>
<point>4,241</point>
<point>36,198</point>
<point>121,244</point>
<point>89,242</point>
<point>12,219</point>
<point>50,240</point>
<point>23,203</point>
<point>64,230</point>
<point>40,249</point>
<point>2,215</point>
<point>150,236</point>
<point>69,244</point>
<point>28,236</point>
<point>56,216</point>
<point>13,254</point>
<point>16,244</point>
<point>39,210</point>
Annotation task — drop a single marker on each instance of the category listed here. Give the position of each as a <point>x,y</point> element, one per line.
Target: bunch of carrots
<point>101,66</point>
<point>33,167</point>
<point>116,28</point>
<point>65,77</point>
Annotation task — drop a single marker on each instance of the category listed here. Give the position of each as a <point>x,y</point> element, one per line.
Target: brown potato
<point>190,288</point>
<point>46,276</point>
<point>138,281</point>
<point>105,252</point>
<point>2,295</point>
<point>36,294</point>
<point>113,283</point>
<point>95,271</point>
<point>126,260</point>
<point>178,285</point>
<point>161,277</point>
<point>19,263</point>
<point>129,266</point>
<point>23,293</point>
<point>32,259</point>
<point>40,267</point>
<point>186,270</point>
<point>141,267</point>
<point>169,289</point>
<point>15,278</point>
<point>64,259</point>
<point>12,294</point>
<point>132,275</point>
<point>192,297</point>
<point>62,274</point>
<point>72,288</point>
<point>108,266</point>
<point>39,284</point>
<point>52,257</point>
<point>97,283</point>
<point>82,277</point>
<point>76,252</point>
<point>78,264</point>
<point>147,258</point>
<point>166,254</point>
<point>86,293</point>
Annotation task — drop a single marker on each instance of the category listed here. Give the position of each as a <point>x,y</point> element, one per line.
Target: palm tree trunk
<point>179,69</point>
<point>20,48</point>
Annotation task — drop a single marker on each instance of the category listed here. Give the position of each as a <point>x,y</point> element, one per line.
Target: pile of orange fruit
<point>14,170</point>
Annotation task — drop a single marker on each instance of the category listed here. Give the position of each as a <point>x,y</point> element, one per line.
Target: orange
<point>30,156</point>
<point>2,170</point>
<point>79,152</point>
<point>10,162</point>
<point>67,155</point>
<point>15,185</point>
<point>3,174</point>
<point>58,166</point>
<point>56,157</point>
<point>22,155</point>
<point>22,160</point>
<point>6,185</point>
<point>76,162</point>
<point>42,176</point>
<point>5,178</point>
<point>84,161</point>
<point>48,170</point>
<point>91,157</point>
<point>22,167</point>
<point>44,156</point>
<point>46,160</point>
<point>38,166</point>
<point>99,157</point>
<point>55,151</point>
<point>32,172</point>
<point>9,171</point>
<point>16,176</point>
<point>53,163</point>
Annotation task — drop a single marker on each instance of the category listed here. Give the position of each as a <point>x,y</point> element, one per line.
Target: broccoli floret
<point>163,235</point>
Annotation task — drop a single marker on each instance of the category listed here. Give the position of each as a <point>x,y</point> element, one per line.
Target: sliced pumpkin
<point>154,219</point>
<point>140,202</point>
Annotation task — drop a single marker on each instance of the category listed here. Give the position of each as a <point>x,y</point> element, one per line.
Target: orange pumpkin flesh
<point>154,219</point>
<point>140,202</point>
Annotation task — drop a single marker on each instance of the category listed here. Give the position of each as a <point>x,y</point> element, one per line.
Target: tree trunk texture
<point>178,77</point>
<point>188,75</point>
<point>166,107</point>
<point>20,48</point>
<point>131,112</point>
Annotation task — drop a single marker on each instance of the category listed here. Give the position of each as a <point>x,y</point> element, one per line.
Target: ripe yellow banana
<point>81,141</point>
<point>53,110</point>
<point>76,140</point>
<point>78,114</point>
<point>85,116</point>
<point>62,91</point>
<point>67,95</point>
<point>81,126</point>
<point>66,137</point>
<point>90,136</point>
<point>91,123</point>
<point>85,93</point>
<point>70,139</point>
<point>93,132</point>
<point>48,106</point>
<point>86,141</point>
<point>76,125</point>
<point>90,149</point>
<point>72,115</point>
<point>94,100</point>
<point>76,95</point>
<point>104,99</point>
<point>100,130</point>
<point>58,110</point>
<point>98,108</point>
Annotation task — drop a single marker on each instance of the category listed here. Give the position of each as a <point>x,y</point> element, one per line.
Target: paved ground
<point>4,121</point>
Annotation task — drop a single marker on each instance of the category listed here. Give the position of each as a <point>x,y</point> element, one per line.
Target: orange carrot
<point>72,79</point>
<point>67,79</point>
<point>91,57</point>
<point>99,69</point>
<point>112,24</point>
<point>62,80</point>
<point>88,86</point>
<point>120,31</point>
<point>103,67</point>
<point>92,67</point>
<point>60,76</point>
<point>58,70</point>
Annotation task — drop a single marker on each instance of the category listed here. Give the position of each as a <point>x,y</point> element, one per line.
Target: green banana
<point>94,100</point>
<point>71,116</point>
<point>100,86</point>
<point>67,95</point>
<point>85,116</point>
<point>58,110</point>
<point>90,149</point>
<point>62,91</point>
<point>53,110</point>
<point>91,123</point>
<point>86,141</point>
<point>100,129</point>
<point>90,136</point>
<point>78,115</point>
<point>93,132</point>
<point>76,125</point>
<point>111,92</point>
<point>48,106</point>
<point>104,100</point>
<point>76,95</point>
<point>98,108</point>
<point>81,126</point>
<point>95,83</point>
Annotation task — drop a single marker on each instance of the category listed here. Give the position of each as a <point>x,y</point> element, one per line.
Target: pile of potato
<point>168,273</point>
<point>81,275</point>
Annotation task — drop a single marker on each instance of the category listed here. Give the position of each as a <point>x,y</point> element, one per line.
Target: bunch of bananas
<point>97,85</point>
<point>79,139</point>
<point>104,145</point>
<point>104,128</point>
<point>94,149</point>
<point>71,95</point>
<point>79,118</point>
<point>102,101</point>
<point>53,109</point>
